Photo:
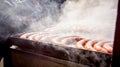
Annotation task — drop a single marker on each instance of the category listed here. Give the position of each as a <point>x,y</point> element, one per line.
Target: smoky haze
<point>18,16</point>
<point>94,19</point>
<point>87,18</point>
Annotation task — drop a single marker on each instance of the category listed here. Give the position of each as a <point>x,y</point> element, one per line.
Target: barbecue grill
<point>66,54</point>
<point>19,52</point>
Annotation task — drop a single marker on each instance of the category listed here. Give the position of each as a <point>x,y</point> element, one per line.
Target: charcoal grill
<point>71,57</point>
<point>30,53</point>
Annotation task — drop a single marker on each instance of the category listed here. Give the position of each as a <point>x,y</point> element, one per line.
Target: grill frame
<point>67,54</point>
<point>116,47</point>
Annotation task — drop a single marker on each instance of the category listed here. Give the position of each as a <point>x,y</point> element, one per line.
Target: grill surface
<point>76,55</point>
<point>71,41</point>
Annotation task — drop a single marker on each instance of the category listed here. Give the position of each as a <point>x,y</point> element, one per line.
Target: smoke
<point>94,19</point>
<point>18,16</point>
<point>87,18</point>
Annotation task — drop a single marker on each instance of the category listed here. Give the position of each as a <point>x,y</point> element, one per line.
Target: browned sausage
<point>80,44</point>
<point>89,45</point>
<point>108,46</point>
<point>26,35</point>
<point>99,48</point>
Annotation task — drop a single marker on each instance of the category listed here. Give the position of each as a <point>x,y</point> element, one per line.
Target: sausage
<point>57,40</point>
<point>31,37</point>
<point>80,44</point>
<point>75,41</point>
<point>108,46</point>
<point>70,39</point>
<point>26,35</point>
<point>66,40</point>
<point>35,37</point>
<point>99,48</point>
<point>48,38</point>
<point>89,45</point>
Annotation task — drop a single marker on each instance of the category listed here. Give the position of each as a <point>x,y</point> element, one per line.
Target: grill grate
<point>79,56</point>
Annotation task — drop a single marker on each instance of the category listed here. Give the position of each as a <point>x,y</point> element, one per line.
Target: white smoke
<point>26,15</point>
<point>87,18</point>
<point>94,19</point>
